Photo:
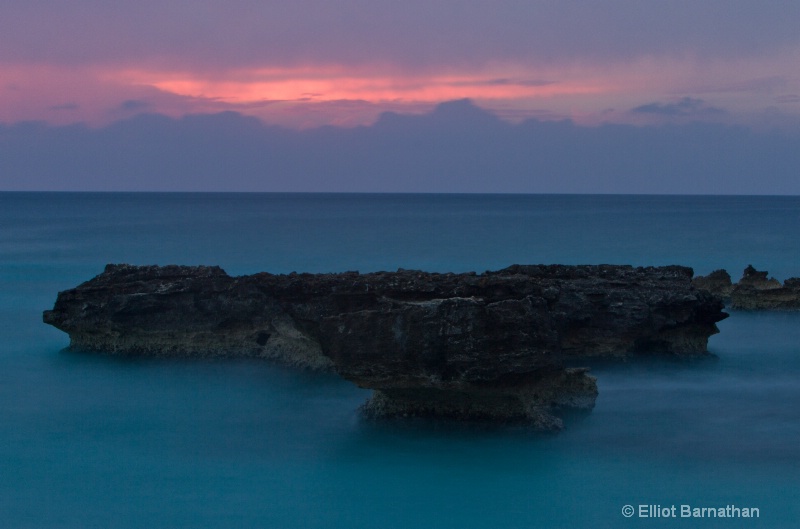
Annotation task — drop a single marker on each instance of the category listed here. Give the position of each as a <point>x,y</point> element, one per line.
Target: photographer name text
<point>689,511</point>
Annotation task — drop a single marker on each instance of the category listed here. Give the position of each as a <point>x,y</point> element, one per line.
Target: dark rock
<point>487,346</point>
<point>181,311</point>
<point>792,283</point>
<point>755,291</point>
<point>757,280</point>
<point>717,282</point>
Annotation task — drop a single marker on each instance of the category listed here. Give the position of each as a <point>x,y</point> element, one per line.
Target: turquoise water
<point>92,441</point>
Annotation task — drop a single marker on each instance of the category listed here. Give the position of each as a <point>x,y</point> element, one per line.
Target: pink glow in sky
<point>308,63</point>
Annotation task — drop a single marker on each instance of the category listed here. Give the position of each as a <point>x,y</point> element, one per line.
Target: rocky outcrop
<point>488,346</point>
<point>717,283</point>
<point>754,291</point>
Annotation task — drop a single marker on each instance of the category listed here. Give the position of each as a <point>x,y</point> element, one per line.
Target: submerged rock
<point>489,346</point>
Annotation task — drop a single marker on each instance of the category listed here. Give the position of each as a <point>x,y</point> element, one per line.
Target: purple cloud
<point>684,107</point>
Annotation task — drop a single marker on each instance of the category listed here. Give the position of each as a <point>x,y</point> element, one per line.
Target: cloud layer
<point>456,148</point>
<point>310,62</point>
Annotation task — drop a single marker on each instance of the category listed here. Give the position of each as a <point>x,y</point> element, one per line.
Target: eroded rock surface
<point>754,291</point>
<point>717,283</point>
<point>488,346</point>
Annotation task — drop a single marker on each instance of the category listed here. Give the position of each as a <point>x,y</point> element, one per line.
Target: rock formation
<point>488,346</point>
<point>717,283</point>
<point>754,291</point>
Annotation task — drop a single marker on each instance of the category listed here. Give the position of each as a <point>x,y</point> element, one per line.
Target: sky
<point>305,64</point>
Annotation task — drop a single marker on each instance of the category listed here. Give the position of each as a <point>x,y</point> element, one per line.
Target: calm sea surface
<point>90,441</point>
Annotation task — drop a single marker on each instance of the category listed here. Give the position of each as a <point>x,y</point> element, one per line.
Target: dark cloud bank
<point>456,148</point>
<point>685,107</point>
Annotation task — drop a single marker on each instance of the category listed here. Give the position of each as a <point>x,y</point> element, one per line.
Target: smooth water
<point>92,441</point>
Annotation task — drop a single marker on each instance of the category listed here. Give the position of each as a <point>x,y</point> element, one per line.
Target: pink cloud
<point>313,95</point>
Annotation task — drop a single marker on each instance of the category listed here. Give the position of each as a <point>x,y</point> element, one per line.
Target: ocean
<point>94,441</point>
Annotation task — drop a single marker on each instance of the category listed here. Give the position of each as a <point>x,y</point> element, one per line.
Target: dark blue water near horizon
<point>95,441</point>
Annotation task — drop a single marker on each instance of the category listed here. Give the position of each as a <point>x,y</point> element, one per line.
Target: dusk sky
<point>306,63</point>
